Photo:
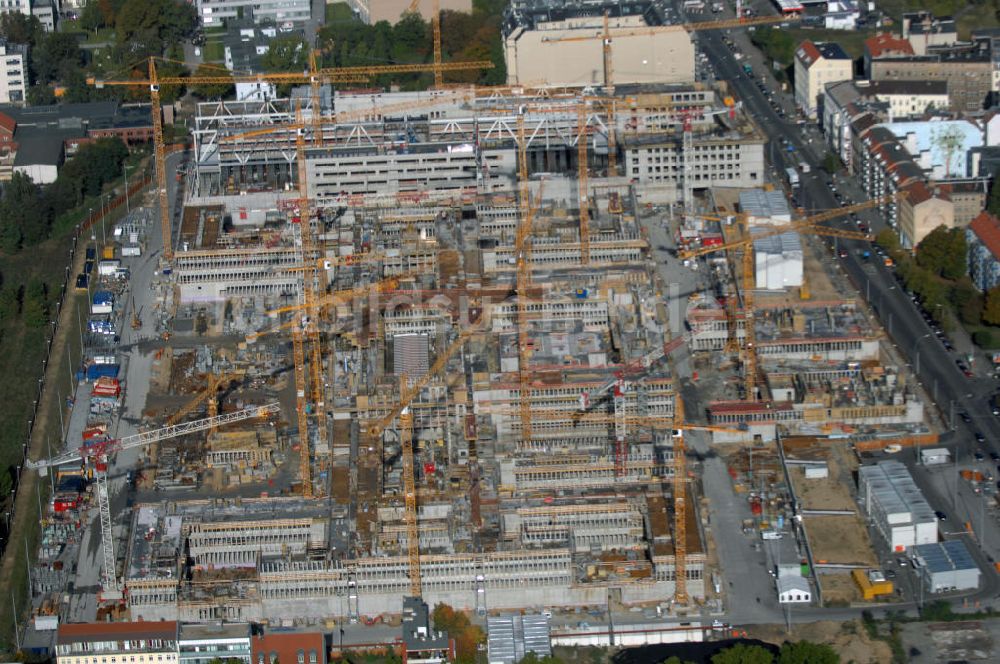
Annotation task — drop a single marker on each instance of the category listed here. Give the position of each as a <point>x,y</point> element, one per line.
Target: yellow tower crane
<point>154,81</point>
<point>810,225</point>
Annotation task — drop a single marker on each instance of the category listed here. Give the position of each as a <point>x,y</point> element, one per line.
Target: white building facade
<point>13,81</point>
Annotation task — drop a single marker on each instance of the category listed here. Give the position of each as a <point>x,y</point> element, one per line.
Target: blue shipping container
<point>104,297</point>
<point>95,371</point>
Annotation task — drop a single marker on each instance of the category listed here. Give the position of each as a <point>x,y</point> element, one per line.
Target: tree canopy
<point>943,252</point>
<point>286,53</point>
<point>346,42</point>
<point>742,653</point>
<point>993,204</point>
<point>991,310</point>
<point>28,210</point>
<point>466,635</point>
<point>806,652</point>
<point>212,90</point>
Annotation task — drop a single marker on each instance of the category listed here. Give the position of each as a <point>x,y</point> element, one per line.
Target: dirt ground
<point>826,494</point>
<point>840,539</point>
<point>848,639</point>
<point>968,641</point>
<point>839,587</point>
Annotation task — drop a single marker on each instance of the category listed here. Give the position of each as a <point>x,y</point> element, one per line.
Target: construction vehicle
<point>136,316</point>
<point>99,456</point>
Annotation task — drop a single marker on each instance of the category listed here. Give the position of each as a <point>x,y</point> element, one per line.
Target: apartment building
<point>214,13</point>
<point>925,208</point>
<point>968,197</point>
<point>884,45</point>
<point>907,99</point>
<point>13,77</point>
<point>923,31</point>
<point>816,66</point>
<point>212,642</point>
<point>983,239</point>
<point>105,643</point>
<point>967,69</point>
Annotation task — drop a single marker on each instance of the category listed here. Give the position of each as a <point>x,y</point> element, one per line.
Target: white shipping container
<point>46,623</point>
<point>105,359</point>
<point>935,456</point>
<point>107,268</point>
<point>101,308</point>
<point>817,472</point>
<point>131,250</point>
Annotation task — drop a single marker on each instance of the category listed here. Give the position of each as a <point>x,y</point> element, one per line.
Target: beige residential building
<point>373,11</point>
<point>534,53</point>
<point>923,210</point>
<point>816,65</point>
<point>907,99</point>
<point>107,643</point>
<point>968,198</point>
<point>968,73</point>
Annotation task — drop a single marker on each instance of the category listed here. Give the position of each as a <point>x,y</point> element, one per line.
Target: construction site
<point>421,344</point>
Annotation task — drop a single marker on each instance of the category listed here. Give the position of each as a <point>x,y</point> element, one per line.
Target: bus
<point>793,177</point>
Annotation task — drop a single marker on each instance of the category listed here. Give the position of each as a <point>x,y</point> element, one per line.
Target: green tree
<point>410,37</point>
<point>466,635</point>
<point>22,216</point>
<point>805,652</point>
<point>145,27</point>
<point>92,18</point>
<point>286,53</point>
<point>887,239</point>
<point>968,302</point>
<point>533,658</point>
<point>212,90</point>
<point>36,307</point>
<point>993,204</point>
<point>21,29</point>
<point>55,53</point>
<point>984,339</point>
<point>991,311</point>
<point>943,252</point>
<point>743,654</point>
<point>41,95</point>
<point>10,302</point>
<point>831,163</point>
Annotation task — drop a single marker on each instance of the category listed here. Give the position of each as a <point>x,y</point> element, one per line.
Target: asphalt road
<point>915,341</point>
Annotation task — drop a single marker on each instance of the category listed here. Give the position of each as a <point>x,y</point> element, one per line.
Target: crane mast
<point>100,454</point>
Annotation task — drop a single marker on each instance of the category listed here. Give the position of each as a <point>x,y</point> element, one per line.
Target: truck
<point>793,177</point>
<point>804,167</point>
<point>770,535</point>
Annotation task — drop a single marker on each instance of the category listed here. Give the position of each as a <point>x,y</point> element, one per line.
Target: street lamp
<point>916,350</point>
<point>128,207</point>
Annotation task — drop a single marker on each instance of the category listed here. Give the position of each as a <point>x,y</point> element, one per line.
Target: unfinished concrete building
<point>421,305</point>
